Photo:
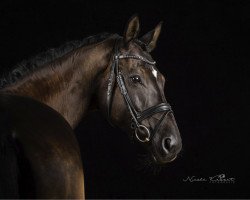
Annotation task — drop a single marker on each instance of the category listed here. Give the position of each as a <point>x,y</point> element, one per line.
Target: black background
<point>203,53</point>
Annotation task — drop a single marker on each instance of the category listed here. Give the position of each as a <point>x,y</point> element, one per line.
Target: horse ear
<point>150,38</point>
<point>132,29</point>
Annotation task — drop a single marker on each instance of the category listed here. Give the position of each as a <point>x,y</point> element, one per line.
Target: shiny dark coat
<point>39,154</point>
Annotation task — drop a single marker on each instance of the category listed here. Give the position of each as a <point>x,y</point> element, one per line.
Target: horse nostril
<point>167,144</point>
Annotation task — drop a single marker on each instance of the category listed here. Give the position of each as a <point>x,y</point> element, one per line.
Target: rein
<point>137,117</point>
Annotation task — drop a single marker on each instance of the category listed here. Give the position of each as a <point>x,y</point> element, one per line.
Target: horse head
<point>133,89</point>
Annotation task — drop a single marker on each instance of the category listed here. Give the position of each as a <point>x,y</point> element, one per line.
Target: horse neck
<point>68,84</point>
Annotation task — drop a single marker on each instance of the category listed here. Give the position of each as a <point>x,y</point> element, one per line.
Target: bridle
<point>137,117</point>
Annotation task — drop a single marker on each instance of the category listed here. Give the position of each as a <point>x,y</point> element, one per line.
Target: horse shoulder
<point>49,144</point>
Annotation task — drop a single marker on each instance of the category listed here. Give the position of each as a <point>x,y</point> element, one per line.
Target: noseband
<point>137,117</point>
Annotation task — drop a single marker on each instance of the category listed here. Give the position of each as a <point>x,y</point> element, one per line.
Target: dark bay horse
<point>44,98</point>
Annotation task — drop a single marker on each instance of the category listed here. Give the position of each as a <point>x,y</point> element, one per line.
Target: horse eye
<point>136,79</point>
